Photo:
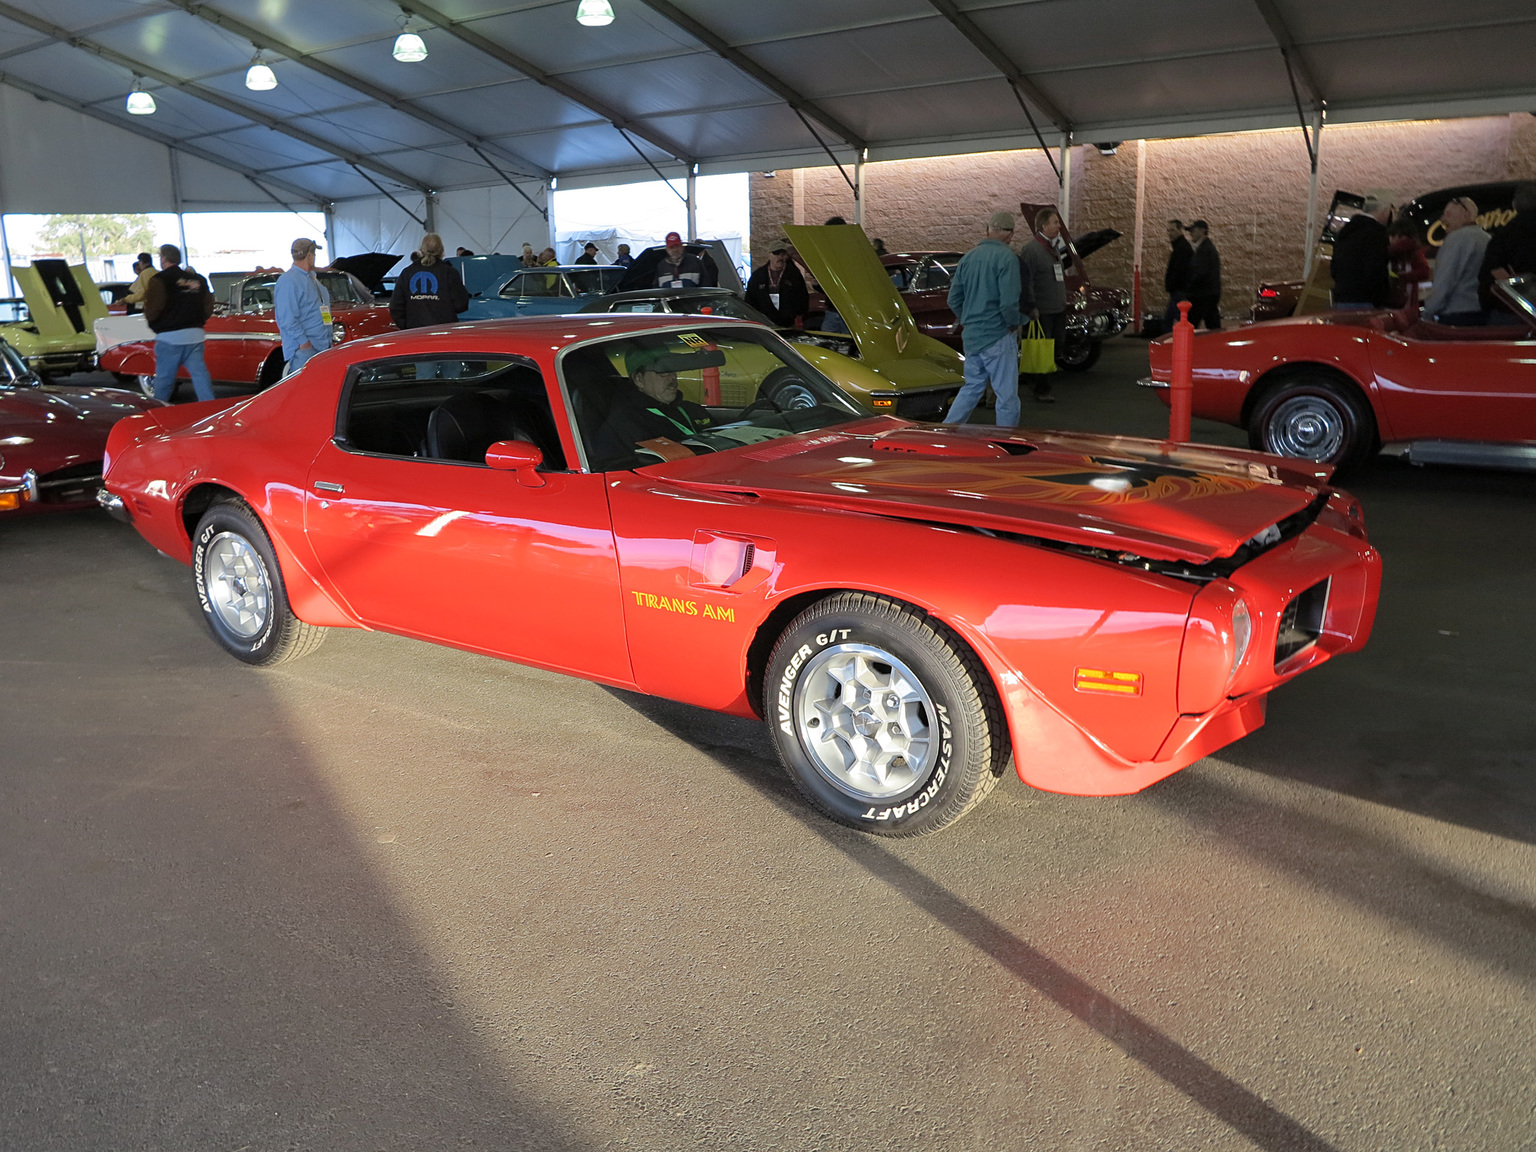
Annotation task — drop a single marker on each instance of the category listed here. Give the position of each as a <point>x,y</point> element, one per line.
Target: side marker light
<point>1102,680</point>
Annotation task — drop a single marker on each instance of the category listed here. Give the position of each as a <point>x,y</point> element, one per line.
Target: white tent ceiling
<point>517,91</point>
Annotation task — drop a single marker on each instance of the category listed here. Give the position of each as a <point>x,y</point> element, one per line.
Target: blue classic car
<point>499,286</point>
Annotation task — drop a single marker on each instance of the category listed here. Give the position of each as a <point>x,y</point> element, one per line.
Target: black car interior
<point>449,409</point>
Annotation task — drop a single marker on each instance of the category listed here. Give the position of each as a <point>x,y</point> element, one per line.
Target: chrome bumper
<point>1151,382</point>
<point>113,505</point>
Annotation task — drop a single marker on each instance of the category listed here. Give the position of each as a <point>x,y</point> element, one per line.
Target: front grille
<point>923,405</point>
<point>1302,622</point>
<point>72,485</point>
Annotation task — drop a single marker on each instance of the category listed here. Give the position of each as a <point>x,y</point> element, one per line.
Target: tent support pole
<point>5,247</point>
<point>858,186</point>
<point>549,208</point>
<point>1141,205</point>
<point>1312,206</point>
<point>1065,203</point>
<point>429,211</point>
<point>330,230</point>
<point>181,220</point>
<point>693,202</point>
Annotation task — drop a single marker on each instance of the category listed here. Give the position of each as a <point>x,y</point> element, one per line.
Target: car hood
<point>1123,494</point>
<point>369,267</point>
<point>62,298</point>
<point>859,286</point>
<point>59,423</point>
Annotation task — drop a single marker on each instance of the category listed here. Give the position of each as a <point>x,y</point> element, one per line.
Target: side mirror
<point>518,457</point>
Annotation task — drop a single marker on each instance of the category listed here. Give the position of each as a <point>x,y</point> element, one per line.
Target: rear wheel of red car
<point>1313,417</point>
<point>240,589</point>
<point>886,720</point>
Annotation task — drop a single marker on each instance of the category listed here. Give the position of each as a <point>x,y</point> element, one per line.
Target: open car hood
<point>369,267</point>
<point>1119,493</point>
<point>859,286</point>
<point>719,272</point>
<point>62,297</point>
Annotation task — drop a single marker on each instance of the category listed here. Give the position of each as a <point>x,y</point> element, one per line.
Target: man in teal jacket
<point>984,296</point>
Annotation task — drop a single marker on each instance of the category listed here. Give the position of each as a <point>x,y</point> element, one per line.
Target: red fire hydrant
<point>1181,386</point>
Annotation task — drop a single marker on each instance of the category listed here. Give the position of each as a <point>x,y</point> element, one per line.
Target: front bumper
<point>113,505</point>
<point>915,403</point>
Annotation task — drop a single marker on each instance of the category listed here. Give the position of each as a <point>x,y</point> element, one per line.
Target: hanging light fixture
<point>409,47</point>
<point>140,102</point>
<point>594,13</point>
<point>259,77</point>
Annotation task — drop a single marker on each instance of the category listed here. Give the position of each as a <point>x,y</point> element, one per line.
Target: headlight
<point>1242,632</point>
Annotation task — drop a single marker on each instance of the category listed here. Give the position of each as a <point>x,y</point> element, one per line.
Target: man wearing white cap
<point>984,296</point>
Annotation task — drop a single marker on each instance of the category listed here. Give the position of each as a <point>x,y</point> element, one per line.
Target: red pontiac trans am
<point>906,605</point>
<point>1335,387</point>
<point>243,345</point>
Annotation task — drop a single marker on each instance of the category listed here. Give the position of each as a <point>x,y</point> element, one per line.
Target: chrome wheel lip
<point>1307,428</point>
<point>237,586</point>
<point>870,734</point>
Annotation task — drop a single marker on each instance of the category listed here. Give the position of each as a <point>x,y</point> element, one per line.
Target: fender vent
<point>1302,622</point>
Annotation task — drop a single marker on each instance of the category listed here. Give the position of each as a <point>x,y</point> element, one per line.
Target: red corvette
<point>243,346</point>
<point>52,437</point>
<point>905,605</point>
<point>1336,386</point>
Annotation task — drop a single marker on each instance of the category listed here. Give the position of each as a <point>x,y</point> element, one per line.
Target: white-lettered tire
<point>885,719</point>
<point>240,589</point>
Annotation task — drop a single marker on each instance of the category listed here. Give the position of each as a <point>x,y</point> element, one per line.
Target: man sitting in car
<point>654,409</point>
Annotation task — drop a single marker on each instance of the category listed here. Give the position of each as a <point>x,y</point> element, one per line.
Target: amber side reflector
<point>10,501</point>
<point>879,403</point>
<point>1113,683</point>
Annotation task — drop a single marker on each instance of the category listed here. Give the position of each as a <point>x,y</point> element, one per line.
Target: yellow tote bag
<point>1037,351</point>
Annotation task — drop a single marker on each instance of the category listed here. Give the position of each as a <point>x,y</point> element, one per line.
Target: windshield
<point>719,304</point>
<point>11,367</point>
<point>672,394</point>
<point>14,312</point>
<point>256,292</point>
<point>1519,294</point>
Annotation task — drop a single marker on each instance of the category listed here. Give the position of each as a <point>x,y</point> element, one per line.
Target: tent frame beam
<point>1022,84</point>
<point>538,75</point>
<point>743,63</point>
<point>207,96</point>
<point>264,42</point>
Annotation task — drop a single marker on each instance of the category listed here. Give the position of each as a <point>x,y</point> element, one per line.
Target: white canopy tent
<point>515,93</point>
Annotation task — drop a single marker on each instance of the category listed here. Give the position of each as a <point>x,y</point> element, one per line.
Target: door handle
<point>328,486</point>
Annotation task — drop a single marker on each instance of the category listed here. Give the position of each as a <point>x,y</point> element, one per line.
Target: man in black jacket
<point>778,291</point>
<point>1176,277</point>
<point>1204,284</point>
<point>1360,257</point>
<point>177,303</point>
<point>429,291</point>
<point>1511,252</point>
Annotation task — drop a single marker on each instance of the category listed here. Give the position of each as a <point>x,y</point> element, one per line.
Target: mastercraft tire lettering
<point>884,718</point>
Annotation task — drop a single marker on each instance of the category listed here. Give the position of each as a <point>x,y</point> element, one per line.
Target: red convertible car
<point>52,436</point>
<point>905,605</point>
<point>243,346</point>
<point>1336,387</point>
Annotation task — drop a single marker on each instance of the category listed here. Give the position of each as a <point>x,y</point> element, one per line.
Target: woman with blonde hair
<point>429,290</point>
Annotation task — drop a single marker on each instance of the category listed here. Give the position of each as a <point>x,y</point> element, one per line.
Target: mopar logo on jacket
<point>424,286</point>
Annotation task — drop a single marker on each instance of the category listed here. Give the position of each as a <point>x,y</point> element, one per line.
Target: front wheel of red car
<point>1312,417</point>
<point>886,721</point>
<point>240,589</point>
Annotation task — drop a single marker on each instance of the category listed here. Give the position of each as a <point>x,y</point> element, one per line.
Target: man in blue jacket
<point>303,308</point>
<point>984,296</point>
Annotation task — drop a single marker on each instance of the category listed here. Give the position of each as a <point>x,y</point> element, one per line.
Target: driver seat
<point>463,426</point>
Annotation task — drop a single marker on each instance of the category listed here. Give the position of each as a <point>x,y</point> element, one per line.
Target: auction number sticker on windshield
<point>693,340</point>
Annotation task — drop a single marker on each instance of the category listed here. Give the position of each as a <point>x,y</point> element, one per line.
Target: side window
<point>532,284</point>
<point>448,408</point>
<point>634,306</point>
<point>256,297</point>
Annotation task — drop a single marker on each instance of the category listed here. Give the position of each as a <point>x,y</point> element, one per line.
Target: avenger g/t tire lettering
<point>240,589</point>
<point>884,718</point>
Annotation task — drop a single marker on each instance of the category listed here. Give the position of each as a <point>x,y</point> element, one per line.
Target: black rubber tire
<point>283,636</point>
<point>1074,357</point>
<point>787,389</point>
<point>271,370</point>
<point>969,729</point>
<point>1358,424</point>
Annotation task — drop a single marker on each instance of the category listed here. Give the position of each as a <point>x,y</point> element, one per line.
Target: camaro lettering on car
<point>683,607</point>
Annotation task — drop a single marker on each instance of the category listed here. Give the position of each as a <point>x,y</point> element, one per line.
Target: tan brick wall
<point>1251,187</point>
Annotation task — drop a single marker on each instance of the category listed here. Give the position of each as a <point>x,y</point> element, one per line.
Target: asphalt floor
<point>394,896</point>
